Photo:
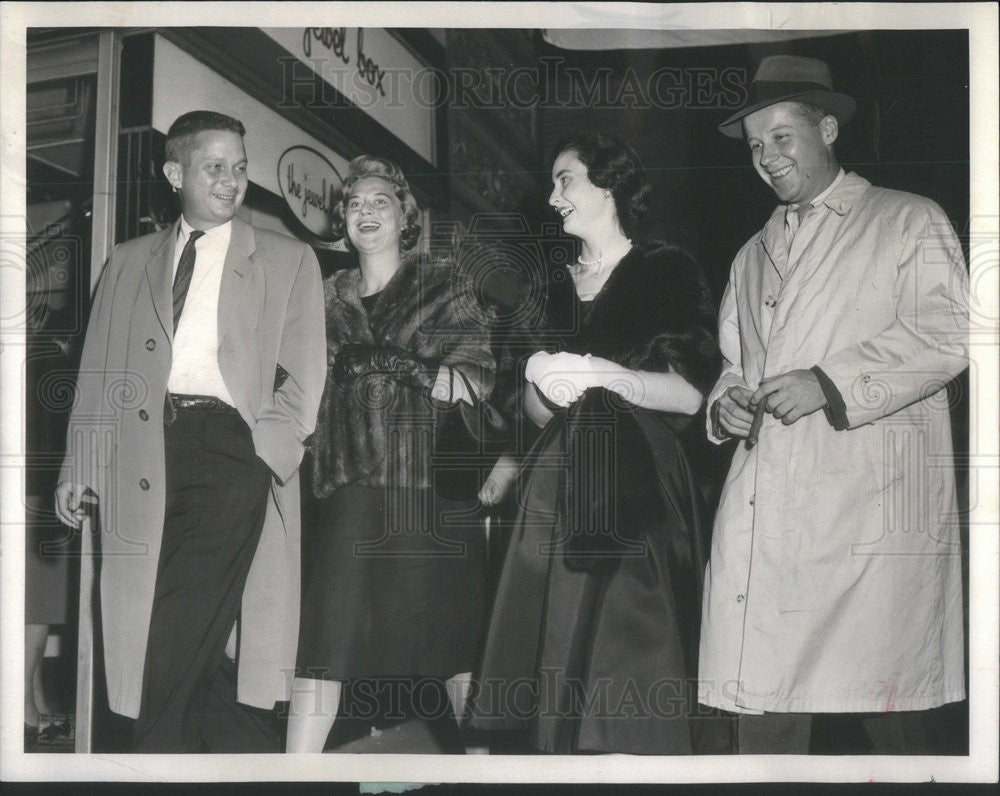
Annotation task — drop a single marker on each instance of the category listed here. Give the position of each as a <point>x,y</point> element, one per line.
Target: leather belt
<point>200,403</point>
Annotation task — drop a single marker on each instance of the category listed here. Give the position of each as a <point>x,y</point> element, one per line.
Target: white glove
<point>536,366</point>
<point>562,378</point>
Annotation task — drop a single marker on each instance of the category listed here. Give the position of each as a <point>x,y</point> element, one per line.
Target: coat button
<point>752,499</point>
<point>740,598</point>
<point>143,414</point>
<point>143,484</point>
<point>150,344</point>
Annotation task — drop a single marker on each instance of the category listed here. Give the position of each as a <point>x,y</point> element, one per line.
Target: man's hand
<point>69,503</point>
<point>791,395</point>
<point>733,411</point>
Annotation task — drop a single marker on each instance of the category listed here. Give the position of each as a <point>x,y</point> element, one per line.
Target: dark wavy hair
<point>181,134</point>
<point>369,166</point>
<point>614,166</point>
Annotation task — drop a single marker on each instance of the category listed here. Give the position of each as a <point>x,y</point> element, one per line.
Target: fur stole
<point>375,429</point>
<point>654,313</point>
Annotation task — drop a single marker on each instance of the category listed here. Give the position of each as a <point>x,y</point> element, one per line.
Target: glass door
<point>60,146</point>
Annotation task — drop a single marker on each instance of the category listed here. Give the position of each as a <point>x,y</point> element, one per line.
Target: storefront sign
<point>376,72</point>
<point>181,83</point>
<point>309,183</point>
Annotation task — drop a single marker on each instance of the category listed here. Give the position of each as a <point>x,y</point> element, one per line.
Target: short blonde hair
<point>370,166</point>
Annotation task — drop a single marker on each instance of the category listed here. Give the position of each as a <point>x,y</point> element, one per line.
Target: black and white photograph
<point>499,393</point>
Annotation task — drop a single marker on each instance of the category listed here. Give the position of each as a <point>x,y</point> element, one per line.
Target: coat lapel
<point>160,277</point>
<point>237,273</point>
<point>773,239</point>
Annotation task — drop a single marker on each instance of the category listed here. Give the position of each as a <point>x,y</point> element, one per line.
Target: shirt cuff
<point>835,409</point>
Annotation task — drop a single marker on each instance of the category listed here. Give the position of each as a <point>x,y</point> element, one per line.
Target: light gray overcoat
<point>834,582</point>
<point>270,312</point>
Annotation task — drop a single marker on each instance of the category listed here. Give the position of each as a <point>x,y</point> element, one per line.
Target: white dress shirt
<point>195,366</point>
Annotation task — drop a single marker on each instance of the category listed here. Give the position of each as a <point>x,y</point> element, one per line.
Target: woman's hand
<point>357,359</point>
<point>534,405</point>
<point>562,378</point>
<point>449,387</point>
<point>504,474</point>
<point>352,360</point>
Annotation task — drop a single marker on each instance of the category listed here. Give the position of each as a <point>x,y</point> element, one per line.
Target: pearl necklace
<point>588,279</point>
<point>607,256</point>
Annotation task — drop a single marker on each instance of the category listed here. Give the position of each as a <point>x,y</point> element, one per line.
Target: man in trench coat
<point>834,581</point>
<point>201,374</point>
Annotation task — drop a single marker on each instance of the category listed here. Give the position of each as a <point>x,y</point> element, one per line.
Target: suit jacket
<point>270,313</point>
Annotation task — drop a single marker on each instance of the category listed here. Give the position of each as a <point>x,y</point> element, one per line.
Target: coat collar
<point>840,200</point>
<point>159,274</point>
<point>349,284</point>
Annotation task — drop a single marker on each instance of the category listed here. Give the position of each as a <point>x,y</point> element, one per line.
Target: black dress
<point>394,586</point>
<point>593,639</point>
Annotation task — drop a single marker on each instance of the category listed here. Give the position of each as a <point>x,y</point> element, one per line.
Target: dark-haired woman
<point>394,585</point>
<point>592,644</point>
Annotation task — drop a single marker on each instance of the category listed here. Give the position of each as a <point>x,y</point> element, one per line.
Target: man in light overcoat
<point>834,583</point>
<point>200,378</point>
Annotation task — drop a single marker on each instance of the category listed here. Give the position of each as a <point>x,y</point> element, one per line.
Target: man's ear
<point>174,174</point>
<point>829,128</point>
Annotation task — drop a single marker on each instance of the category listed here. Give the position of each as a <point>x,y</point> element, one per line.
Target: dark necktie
<point>182,279</point>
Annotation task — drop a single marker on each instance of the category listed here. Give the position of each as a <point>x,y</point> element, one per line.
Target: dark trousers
<point>897,733</point>
<point>217,491</point>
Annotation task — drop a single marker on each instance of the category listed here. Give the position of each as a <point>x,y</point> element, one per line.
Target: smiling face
<point>212,180</point>
<point>581,204</point>
<point>790,154</point>
<point>373,216</point>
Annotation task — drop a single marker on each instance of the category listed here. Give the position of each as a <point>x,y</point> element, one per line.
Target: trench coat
<point>834,578</point>
<point>270,312</point>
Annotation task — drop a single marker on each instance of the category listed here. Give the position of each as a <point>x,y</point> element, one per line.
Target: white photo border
<point>979,766</point>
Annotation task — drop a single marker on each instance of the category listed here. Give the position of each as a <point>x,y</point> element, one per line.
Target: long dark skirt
<point>394,586</point>
<point>601,658</point>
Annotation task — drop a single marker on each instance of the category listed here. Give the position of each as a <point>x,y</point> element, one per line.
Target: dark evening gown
<point>593,638</point>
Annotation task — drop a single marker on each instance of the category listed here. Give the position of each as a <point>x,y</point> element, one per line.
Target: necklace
<point>608,255</point>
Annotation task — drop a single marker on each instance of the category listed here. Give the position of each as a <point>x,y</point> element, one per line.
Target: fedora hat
<point>783,78</point>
